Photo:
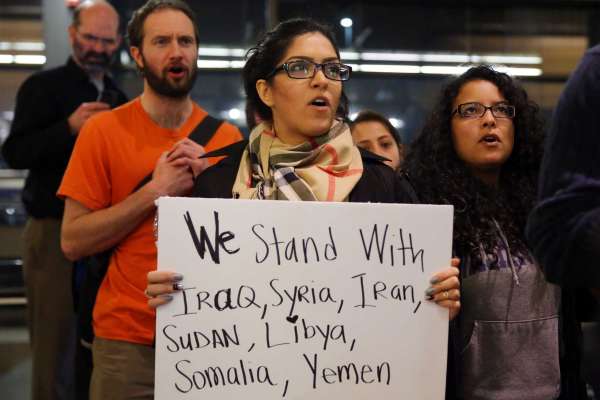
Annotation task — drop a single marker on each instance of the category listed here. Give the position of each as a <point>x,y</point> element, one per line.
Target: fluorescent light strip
<point>220,64</point>
<point>442,58</point>
<point>349,55</point>
<point>7,58</point>
<point>29,46</point>
<point>30,59</point>
<point>438,69</point>
<point>443,69</point>
<point>23,46</point>
<point>520,71</point>
<point>500,59</point>
<point>457,70</point>
<point>388,69</point>
<point>221,52</point>
<point>239,64</point>
<point>23,59</point>
<point>384,56</point>
<point>446,58</point>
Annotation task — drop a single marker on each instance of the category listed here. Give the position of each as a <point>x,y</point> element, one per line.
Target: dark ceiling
<point>406,24</point>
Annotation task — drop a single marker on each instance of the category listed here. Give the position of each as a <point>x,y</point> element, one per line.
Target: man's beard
<point>92,61</point>
<point>164,86</point>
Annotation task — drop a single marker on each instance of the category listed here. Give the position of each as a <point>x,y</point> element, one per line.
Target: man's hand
<point>188,150</point>
<point>83,112</point>
<point>172,178</point>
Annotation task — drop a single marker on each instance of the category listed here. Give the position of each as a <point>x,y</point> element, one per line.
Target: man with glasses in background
<point>51,107</point>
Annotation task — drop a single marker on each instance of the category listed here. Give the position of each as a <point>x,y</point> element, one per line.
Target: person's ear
<point>137,56</point>
<point>265,92</point>
<point>72,32</point>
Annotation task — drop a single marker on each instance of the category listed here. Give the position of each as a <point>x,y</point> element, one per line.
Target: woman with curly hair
<point>480,151</point>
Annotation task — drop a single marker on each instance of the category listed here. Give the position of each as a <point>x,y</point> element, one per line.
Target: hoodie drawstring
<point>510,259</point>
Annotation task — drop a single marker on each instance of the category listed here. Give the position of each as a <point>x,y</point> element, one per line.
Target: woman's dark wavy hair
<point>441,177</point>
<point>263,58</point>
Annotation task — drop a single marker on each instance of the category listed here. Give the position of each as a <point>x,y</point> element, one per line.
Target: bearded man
<point>51,107</point>
<point>115,151</point>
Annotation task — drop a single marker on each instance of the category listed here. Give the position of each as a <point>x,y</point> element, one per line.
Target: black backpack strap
<point>231,150</point>
<point>205,130</point>
<point>201,134</point>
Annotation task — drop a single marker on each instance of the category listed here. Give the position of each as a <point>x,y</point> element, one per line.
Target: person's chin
<point>491,164</point>
<point>320,130</point>
<point>323,125</point>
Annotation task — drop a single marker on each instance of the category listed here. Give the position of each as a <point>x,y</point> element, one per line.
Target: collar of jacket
<point>79,73</point>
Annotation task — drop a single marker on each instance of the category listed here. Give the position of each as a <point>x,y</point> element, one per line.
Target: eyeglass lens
<point>476,110</point>
<point>308,69</point>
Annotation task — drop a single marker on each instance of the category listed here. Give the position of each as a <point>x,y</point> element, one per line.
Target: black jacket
<point>40,138</point>
<point>564,229</point>
<point>378,183</point>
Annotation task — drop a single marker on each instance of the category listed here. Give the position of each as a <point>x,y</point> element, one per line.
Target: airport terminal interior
<point>401,53</point>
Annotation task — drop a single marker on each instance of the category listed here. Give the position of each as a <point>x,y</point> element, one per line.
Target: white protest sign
<point>301,300</point>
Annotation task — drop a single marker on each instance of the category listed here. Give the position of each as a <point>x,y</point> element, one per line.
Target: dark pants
<point>83,371</point>
<point>51,319</point>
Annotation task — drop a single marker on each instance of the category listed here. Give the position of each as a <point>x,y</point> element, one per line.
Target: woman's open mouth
<point>490,139</point>
<point>320,103</point>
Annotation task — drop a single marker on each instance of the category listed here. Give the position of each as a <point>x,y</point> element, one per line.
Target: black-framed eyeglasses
<point>305,69</point>
<point>477,110</point>
<point>93,39</point>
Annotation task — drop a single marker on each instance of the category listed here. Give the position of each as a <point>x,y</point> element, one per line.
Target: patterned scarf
<point>325,168</point>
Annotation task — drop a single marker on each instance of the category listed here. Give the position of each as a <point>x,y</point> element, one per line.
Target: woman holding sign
<point>294,80</point>
<point>480,151</point>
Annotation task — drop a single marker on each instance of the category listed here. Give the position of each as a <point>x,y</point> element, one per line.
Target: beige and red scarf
<point>325,168</point>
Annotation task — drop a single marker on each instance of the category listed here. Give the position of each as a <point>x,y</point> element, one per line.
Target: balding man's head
<point>94,35</point>
<point>101,6</point>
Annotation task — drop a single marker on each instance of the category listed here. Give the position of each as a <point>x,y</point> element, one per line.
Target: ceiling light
<point>390,69</point>
<point>513,71</point>
<point>234,113</point>
<point>346,22</point>
<point>30,59</point>
<point>22,46</point>
<point>453,58</point>
<point>221,52</point>
<point>214,64</point>
<point>6,58</point>
<point>349,55</point>
<point>397,122</point>
<point>387,56</point>
<point>506,59</point>
<point>444,69</point>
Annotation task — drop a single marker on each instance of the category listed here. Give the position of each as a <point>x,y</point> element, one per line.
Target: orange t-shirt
<point>114,151</point>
